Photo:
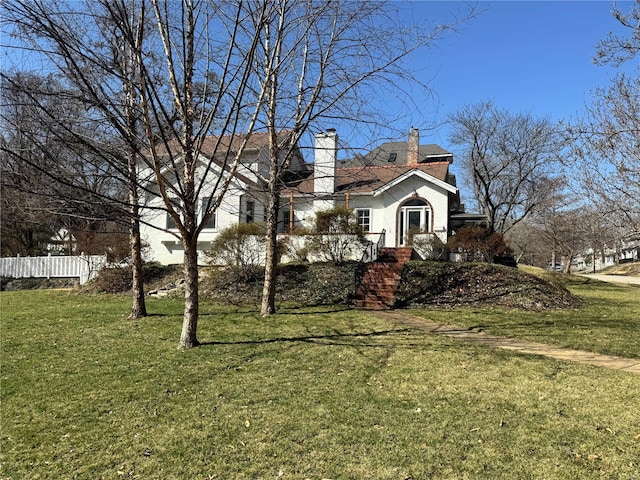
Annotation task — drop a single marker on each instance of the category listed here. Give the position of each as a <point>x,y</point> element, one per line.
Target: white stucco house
<point>394,188</point>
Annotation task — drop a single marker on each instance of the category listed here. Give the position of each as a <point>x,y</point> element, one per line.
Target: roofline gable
<point>204,161</point>
<point>425,176</point>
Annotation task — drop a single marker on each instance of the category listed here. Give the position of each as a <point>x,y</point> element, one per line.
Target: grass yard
<point>314,393</point>
<point>608,323</point>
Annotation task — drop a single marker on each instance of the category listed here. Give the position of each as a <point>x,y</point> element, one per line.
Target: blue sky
<point>526,56</point>
<point>533,57</point>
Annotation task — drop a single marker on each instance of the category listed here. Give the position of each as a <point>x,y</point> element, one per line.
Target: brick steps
<point>401,255</point>
<point>377,291</point>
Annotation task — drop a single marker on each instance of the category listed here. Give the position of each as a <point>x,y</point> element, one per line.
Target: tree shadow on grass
<point>314,309</point>
<point>337,338</point>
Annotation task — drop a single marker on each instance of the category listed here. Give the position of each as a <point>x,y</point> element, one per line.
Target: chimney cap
<point>331,130</point>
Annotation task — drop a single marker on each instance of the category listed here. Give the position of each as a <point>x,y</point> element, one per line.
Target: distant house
<point>630,248</point>
<point>394,189</point>
<point>624,250</point>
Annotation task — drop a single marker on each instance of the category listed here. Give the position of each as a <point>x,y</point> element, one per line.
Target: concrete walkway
<point>608,361</point>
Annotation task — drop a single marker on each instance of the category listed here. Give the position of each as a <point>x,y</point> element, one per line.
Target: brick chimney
<point>412,149</point>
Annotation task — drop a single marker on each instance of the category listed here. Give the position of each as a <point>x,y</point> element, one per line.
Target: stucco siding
<point>164,245</point>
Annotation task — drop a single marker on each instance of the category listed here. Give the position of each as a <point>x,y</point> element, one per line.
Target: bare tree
<point>228,68</point>
<point>127,21</point>
<point>511,161</point>
<point>319,63</point>
<point>79,43</point>
<point>35,149</point>
<point>527,244</point>
<point>605,143</point>
<point>200,42</point>
<point>617,49</point>
<point>599,231</point>
<point>27,224</point>
<point>562,232</point>
<point>605,150</point>
<point>178,70</point>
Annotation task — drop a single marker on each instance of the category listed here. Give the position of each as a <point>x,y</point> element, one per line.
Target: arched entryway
<point>415,215</point>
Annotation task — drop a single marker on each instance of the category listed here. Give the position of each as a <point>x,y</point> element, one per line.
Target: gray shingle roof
<point>370,178</point>
<point>384,155</point>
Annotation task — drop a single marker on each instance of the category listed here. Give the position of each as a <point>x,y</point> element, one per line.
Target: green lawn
<point>311,393</point>
<point>608,323</point>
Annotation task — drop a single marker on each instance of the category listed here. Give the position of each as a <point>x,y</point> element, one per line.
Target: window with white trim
<point>250,211</point>
<point>208,201</point>
<point>363,216</point>
<point>170,222</point>
<point>285,223</point>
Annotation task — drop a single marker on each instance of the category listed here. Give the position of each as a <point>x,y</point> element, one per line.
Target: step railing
<point>372,250</point>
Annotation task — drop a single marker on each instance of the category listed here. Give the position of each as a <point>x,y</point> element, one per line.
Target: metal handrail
<point>372,250</point>
<point>381,242</point>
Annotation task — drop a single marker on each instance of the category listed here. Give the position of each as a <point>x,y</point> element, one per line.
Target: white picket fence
<point>83,267</point>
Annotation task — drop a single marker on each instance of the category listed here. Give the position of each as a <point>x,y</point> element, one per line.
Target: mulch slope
<point>432,284</point>
<point>296,284</point>
<point>450,285</point>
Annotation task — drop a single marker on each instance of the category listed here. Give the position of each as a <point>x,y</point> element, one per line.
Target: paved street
<point>613,278</point>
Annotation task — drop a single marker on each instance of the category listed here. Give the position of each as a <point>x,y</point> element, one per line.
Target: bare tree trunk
<point>139,308</point>
<point>188,337</point>
<point>271,261</point>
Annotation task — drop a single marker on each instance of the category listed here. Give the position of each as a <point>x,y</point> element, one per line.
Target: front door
<point>414,218</point>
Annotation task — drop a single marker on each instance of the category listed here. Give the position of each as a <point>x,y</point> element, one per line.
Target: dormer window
<point>392,157</point>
